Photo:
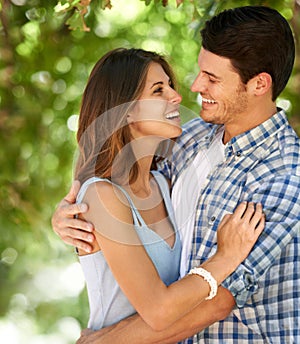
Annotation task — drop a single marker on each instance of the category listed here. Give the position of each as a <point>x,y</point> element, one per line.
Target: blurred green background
<point>44,67</point>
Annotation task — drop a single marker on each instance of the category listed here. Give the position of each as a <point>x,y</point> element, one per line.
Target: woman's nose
<point>175,97</point>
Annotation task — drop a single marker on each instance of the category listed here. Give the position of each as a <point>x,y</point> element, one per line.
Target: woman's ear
<point>130,118</point>
<point>260,84</point>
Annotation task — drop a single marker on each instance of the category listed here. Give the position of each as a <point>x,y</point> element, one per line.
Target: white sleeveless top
<point>108,304</point>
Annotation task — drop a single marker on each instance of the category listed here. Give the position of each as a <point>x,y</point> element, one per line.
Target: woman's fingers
<point>260,226</point>
<point>257,215</point>
<point>250,213</point>
<point>238,233</point>
<point>240,210</point>
<point>225,219</point>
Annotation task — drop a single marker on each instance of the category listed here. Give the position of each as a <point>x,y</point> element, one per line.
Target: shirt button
<point>238,154</point>
<point>212,219</point>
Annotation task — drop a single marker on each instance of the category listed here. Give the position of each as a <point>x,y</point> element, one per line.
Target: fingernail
<point>83,207</point>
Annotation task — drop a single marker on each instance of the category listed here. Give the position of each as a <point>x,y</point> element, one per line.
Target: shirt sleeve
<point>164,167</point>
<point>280,198</point>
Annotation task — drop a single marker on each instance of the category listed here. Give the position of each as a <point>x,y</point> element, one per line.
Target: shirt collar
<point>206,140</point>
<point>245,142</point>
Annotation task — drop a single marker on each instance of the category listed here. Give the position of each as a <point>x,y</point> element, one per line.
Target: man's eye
<point>212,81</point>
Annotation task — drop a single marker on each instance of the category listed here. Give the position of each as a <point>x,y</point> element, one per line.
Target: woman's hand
<point>238,232</point>
<point>71,230</point>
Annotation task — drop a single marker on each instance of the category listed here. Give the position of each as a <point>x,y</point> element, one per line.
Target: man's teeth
<point>209,101</point>
<point>172,115</point>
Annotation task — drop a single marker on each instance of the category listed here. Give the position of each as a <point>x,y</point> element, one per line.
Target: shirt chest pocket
<point>219,198</point>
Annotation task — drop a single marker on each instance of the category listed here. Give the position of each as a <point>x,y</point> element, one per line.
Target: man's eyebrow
<point>212,74</point>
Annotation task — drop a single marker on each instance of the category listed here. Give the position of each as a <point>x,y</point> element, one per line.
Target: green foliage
<point>44,67</point>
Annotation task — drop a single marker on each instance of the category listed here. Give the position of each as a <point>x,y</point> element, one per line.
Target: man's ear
<point>260,84</point>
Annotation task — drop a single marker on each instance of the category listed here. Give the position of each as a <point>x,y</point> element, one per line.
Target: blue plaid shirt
<point>261,165</point>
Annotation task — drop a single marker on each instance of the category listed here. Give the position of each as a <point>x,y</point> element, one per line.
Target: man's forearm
<point>134,330</point>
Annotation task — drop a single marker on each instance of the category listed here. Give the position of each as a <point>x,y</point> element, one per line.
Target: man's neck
<point>249,121</point>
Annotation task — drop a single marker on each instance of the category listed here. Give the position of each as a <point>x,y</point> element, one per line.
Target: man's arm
<point>134,330</point>
<point>73,231</point>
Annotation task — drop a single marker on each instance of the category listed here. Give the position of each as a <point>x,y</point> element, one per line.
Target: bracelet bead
<point>206,275</point>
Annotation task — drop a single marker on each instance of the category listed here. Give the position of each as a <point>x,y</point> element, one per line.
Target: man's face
<point>224,96</point>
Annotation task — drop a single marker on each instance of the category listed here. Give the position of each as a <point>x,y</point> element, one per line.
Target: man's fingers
<point>77,226</point>
<point>71,196</point>
<point>78,238</point>
<point>86,332</point>
<point>73,209</point>
<point>81,245</point>
<point>84,338</point>
<point>74,229</point>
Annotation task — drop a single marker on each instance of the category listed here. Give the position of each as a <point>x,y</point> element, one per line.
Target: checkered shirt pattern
<point>261,165</point>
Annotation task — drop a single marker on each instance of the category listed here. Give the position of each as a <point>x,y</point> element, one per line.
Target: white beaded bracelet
<point>208,278</point>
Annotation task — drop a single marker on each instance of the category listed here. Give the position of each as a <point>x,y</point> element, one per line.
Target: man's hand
<point>135,330</point>
<point>88,337</point>
<point>93,337</point>
<point>72,231</point>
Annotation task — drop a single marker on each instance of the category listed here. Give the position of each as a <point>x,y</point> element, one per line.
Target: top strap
<point>137,218</point>
<point>165,190</point>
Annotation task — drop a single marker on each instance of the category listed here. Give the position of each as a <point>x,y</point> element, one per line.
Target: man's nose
<point>199,84</point>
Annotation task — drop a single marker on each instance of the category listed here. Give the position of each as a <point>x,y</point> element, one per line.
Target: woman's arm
<point>159,305</point>
<point>134,330</point>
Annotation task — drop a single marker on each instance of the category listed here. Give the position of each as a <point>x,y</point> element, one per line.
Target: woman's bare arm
<point>157,304</point>
<point>134,330</point>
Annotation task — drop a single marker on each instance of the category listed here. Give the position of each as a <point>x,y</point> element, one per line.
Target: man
<point>243,150</point>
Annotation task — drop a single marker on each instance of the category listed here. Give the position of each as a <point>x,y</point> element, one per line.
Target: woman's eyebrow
<point>160,83</point>
<point>157,83</point>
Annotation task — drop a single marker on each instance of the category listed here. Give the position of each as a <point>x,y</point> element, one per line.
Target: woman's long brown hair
<point>115,82</point>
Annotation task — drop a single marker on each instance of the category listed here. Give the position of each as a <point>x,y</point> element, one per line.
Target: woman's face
<point>156,112</point>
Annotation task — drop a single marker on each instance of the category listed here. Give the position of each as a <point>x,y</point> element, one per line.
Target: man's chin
<point>208,117</point>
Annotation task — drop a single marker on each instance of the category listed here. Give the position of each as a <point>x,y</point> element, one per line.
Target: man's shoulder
<point>289,147</point>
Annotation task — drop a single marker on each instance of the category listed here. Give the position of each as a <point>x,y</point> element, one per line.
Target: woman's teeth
<point>172,115</point>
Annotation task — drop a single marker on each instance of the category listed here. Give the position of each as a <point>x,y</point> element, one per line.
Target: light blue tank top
<point>108,304</point>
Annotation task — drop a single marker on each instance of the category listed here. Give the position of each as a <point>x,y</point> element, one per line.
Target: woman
<point>129,108</point>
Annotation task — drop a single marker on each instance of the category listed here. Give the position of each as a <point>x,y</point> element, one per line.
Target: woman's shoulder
<point>104,196</point>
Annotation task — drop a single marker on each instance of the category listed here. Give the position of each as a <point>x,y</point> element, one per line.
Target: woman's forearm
<point>134,330</point>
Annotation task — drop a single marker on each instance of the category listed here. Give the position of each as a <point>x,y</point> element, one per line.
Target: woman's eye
<point>158,90</point>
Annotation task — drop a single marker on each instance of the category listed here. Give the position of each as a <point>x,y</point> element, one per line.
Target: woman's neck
<point>144,150</point>
<point>142,185</point>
